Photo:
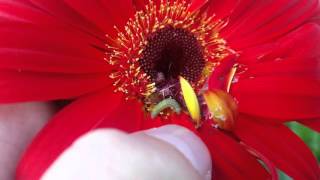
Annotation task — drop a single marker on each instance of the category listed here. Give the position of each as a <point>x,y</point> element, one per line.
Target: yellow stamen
<point>230,78</point>
<point>191,100</point>
<point>222,108</point>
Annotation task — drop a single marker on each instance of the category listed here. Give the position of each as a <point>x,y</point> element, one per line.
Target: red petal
<point>312,123</point>
<point>284,83</point>
<point>69,63</point>
<point>149,123</point>
<point>220,9</point>
<point>218,79</point>
<point>295,67</point>
<point>283,98</point>
<point>139,4</point>
<point>106,109</point>
<point>41,61</point>
<point>65,14</point>
<point>230,160</point>
<point>181,119</point>
<point>18,86</point>
<point>301,43</point>
<point>271,167</point>
<point>61,41</point>
<point>104,13</point>
<point>13,13</point>
<point>280,145</point>
<point>256,22</point>
<point>197,4</point>
<point>185,121</point>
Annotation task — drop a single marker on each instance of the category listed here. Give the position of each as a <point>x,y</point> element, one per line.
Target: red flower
<point>264,53</point>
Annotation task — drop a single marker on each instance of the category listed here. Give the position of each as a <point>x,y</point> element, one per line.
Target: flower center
<point>160,45</point>
<point>172,52</point>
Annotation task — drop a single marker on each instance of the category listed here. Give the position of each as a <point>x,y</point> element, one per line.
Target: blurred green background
<point>310,137</point>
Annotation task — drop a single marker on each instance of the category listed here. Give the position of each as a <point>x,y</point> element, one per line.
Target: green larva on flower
<point>164,104</point>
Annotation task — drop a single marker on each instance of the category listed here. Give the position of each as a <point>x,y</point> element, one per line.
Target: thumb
<point>189,144</point>
<point>168,152</point>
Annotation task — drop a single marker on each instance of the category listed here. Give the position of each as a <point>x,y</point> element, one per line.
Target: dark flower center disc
<point>172,52</point>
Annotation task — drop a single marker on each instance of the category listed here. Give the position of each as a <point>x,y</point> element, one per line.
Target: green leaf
<point>310,137</point>
<point>283,176</point>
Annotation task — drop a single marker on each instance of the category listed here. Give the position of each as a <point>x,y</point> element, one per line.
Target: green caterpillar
<point>164,104</point>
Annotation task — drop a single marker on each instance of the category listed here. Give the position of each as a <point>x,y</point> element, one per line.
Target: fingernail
<point>189,144</point>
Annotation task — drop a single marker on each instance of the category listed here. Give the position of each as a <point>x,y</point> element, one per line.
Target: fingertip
<point>189,144</point>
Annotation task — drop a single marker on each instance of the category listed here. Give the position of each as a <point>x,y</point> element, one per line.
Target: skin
<point>169,152</point>
<point>19,123</point>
